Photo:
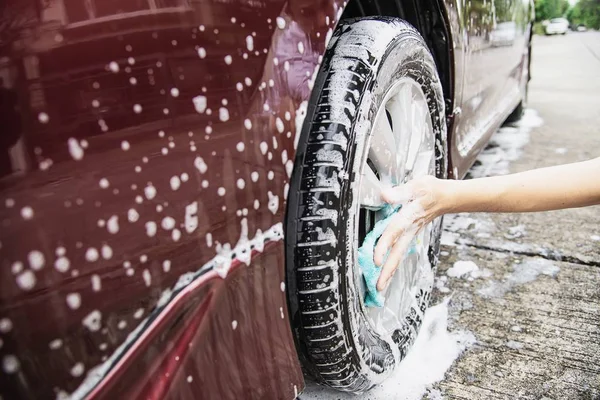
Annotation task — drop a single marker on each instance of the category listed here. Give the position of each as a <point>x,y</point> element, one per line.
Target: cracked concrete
<point>539,339</point>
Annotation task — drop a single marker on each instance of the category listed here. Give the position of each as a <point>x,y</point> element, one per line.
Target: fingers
<point>389,236</point>
<point>406,218</point>
<point>395,257</point>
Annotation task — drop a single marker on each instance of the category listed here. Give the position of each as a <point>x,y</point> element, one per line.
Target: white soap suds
<point>91,254</point>
<point>461,268</point>
<point>166,266</point>
<point>150,191</point>
<point>27,213</point>
<point>93,321</point>
<point>73,300</point>
<point>36,260</point>
<point>175,182</point>
<point>223,114</point>
<point>150,228</point>
<point>191,217</point>
<point>168,223</point>
<point>524,272</point>
<point>504,146</point>
<point>432,354</point>
<point>132,215</point>
<point>200,165</point>
<point>273,202</point>
<point>280,22</point>
<point>107,252</point>
<point>199,104</point>
<point>26,280</point>
<point>75,149</point>
<point>113,225</point>
<point>264,147</point>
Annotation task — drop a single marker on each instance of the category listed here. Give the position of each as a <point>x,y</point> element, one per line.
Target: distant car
<point>557,26</point>
<point>504,34</point>
<point>184,183</point>
<point>581,28</point>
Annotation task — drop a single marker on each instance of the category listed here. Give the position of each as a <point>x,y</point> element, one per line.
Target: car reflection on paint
<point>504,34</point>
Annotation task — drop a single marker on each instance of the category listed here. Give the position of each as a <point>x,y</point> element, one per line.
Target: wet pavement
<point>536,317</point>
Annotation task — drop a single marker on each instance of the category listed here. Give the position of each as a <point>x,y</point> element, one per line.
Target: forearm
<point>553,188</point>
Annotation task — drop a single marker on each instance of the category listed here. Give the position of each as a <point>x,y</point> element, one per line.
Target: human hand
<point>421,201</point>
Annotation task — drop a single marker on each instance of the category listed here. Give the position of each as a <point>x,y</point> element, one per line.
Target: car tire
<point>337,342</point>
<point>516,114</point>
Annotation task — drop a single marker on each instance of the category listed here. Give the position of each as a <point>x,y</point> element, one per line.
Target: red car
<point>184,185</point>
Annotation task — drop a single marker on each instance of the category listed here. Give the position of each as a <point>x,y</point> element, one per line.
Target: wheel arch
<point>430,19</point>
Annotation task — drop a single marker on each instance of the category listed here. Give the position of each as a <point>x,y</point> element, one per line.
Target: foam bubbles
<point>280,22</point>
<point>223,114</point>
<point>75,149</point>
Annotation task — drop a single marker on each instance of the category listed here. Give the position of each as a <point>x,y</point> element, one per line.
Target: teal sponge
<point>370,271</point>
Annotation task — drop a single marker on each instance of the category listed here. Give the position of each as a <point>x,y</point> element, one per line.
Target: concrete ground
<point>536,315</point>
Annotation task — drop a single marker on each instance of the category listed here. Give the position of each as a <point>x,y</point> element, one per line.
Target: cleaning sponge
<point>370,271</point>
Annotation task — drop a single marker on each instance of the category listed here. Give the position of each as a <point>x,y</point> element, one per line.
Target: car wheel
<point>376,119</point>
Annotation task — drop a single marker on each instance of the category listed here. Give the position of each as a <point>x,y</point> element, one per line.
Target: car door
<point>145,160</point>
<point>497,36</point>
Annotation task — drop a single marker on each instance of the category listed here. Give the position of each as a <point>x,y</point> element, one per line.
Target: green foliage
<point>538,28</point>
<point>585,12</point>
<point>546,9</point>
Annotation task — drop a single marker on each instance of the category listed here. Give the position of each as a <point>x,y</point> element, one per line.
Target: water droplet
<point>223,114</point>
<point>166,265</point>
<point>199,103</point>
<point>26,280</point>
<point>91,254</point>
<point>175,183</point>
<point>73,300</point>
<point>10,364</point>
<point>280,22</point>
<point>113,67</point>
<point>36,260</point>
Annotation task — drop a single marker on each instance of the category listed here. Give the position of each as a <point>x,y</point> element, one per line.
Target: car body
<point>147,150</point>
<point>557,26</point>
<point>504,34</point>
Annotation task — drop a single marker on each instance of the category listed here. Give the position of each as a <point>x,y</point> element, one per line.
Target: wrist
<point>447,196</point>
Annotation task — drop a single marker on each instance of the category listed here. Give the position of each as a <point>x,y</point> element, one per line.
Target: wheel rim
<point>400,148</point>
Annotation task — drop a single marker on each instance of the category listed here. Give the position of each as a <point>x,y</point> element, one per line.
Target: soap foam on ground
<point>432,354</point>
